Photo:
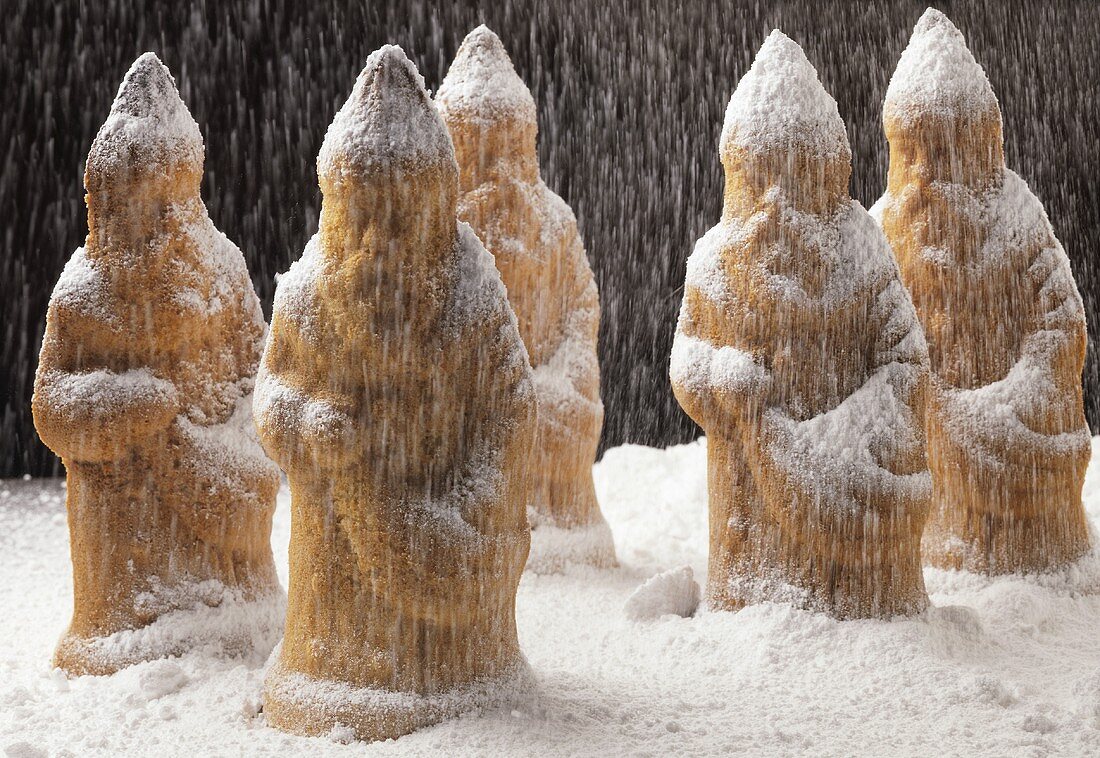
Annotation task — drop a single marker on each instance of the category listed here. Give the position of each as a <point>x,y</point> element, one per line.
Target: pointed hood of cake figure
<point>940,103</point>
<point>153,336</point>
<point>778,113</point>
<point>387,124</point>
<point>798,352</point>
<point>937,76</point>
<point>387,158</point>
<point>148,134</point>
<point>482,82</point>
<point>780,105</point>
<point>1007,439</point>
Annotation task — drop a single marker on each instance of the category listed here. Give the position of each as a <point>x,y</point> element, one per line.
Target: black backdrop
<point>631,97</point>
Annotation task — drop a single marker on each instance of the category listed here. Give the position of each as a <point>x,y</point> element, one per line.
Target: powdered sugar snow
<point>1003,666</point>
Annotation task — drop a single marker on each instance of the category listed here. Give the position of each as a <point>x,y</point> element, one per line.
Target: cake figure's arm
<point>94,413</point>
<point>718,386</point>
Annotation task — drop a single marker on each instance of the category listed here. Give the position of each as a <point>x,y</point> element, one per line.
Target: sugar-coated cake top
<point>937,74</point>
<point>388,121</point>
<point>780,102</point>
<point>483,83</point>
<point>148,122</point>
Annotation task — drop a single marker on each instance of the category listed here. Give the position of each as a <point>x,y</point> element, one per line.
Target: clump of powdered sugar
<point>937,75</point>
<point>674,592</point>
<point>482,82</point>
<point>780,103</point>
<point>388,122</point>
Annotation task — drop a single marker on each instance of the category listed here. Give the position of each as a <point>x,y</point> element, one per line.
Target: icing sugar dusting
<point>482,82</point>
<point>987,419</point>
<point>837,455</point>
<point>780,102</point>
<point>387,122</point>
<point>697,364</point>
<point>148,123</point>
<point>937,74</point>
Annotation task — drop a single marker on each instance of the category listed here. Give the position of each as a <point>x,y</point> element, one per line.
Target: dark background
<point>631,97</point>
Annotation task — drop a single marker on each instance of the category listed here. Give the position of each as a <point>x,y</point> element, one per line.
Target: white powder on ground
<point>332,697</point>
<point>162,678</point>
<point>1004,666</point>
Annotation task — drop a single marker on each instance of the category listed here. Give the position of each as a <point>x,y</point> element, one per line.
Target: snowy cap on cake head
<point>780,103</point>
<point>482,82</point>
<point>148,126</point>
<point>937,75</point>
<point>387,123</point>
